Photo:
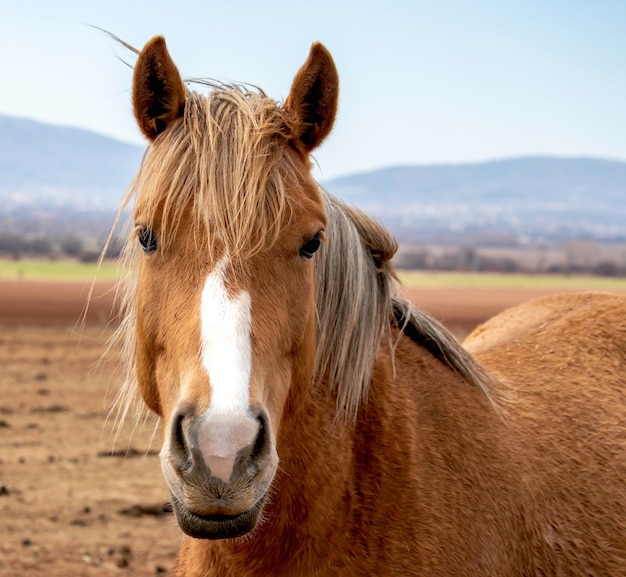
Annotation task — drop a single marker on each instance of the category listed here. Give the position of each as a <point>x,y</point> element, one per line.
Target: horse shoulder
<point>548,315</point>
<point>431,445</point>
<point>564,358</point>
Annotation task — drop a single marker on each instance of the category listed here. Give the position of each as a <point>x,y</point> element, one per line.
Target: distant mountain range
<point>55,167</point>
<point>532,196</point>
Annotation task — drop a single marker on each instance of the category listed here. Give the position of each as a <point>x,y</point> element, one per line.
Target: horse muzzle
<point>218,469</point>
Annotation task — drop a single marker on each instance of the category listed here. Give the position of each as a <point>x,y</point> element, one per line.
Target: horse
<point>316,423</point>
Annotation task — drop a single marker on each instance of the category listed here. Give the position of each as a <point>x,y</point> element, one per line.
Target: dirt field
<point>68,506</point>
<point>62,303</point>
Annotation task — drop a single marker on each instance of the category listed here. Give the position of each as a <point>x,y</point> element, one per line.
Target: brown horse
<point>314,422</point>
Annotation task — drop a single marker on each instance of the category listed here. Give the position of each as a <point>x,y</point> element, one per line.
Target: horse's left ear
<point>313,98</point>
<point>158,90</point>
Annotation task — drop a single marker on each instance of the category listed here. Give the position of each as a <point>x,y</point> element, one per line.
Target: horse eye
<point>147,240</point>
<point>310,247</point>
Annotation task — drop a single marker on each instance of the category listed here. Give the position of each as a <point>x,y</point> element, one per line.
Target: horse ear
<point>158,90</point>
<point>313,97</point>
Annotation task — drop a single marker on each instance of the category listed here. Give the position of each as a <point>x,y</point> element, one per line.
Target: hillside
<point>548,196</point>
<point>43,164</point>
<point>57,168</point>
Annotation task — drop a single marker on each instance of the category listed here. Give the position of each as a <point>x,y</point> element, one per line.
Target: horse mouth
<point>217,526</point>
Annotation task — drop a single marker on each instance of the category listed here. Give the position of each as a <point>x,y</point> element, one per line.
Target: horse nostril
<point>179,450</point>
<point>261,445</point>
<point>219,445</point>
<point>179,435</point>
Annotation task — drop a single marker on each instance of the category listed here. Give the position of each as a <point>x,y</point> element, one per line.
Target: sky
<point>422,82</point>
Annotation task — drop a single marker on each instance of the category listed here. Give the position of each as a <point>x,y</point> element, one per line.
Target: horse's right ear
<point>158,90</point>
<point>313,98</point>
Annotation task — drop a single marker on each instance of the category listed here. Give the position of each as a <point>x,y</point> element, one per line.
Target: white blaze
<point>226,356</point>
<point>226,352</point>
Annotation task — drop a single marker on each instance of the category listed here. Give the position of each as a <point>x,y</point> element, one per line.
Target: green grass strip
<point>488,280</point>
<point>63,270</point>
<point>68,270</point>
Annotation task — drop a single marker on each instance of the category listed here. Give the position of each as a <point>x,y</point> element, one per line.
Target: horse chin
<point>217,526</point>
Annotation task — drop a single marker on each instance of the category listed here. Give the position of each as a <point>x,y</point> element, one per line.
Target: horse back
<point>562,362</point>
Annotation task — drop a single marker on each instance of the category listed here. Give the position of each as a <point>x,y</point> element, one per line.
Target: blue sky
<point>421,81</point>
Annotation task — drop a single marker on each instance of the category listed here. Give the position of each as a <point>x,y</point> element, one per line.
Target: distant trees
<point>12,245</point>
<point>16,246</point>
<point>573,257</point>
<point>463,259</point>
<point>71,246</point>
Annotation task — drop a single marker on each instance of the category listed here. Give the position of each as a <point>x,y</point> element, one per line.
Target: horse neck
<point>327,497</point>
<point>309,498</point>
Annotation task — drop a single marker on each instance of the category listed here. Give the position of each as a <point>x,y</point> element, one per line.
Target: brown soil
<point>68,506</point>
<point>54,303</point>
<point>63,303</point>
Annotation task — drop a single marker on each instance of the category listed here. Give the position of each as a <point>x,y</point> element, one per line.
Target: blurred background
<point>489,136</point>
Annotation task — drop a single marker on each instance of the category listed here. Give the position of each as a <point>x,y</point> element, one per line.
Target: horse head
<point>227,224</point>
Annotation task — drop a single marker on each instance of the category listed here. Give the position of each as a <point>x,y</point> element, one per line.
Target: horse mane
<point>358,304</point>
<point>224,165</point>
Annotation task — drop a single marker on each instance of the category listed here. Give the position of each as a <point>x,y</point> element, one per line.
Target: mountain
<point>533,196</point>
<point>43,164</point>
<point>67,170</point>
